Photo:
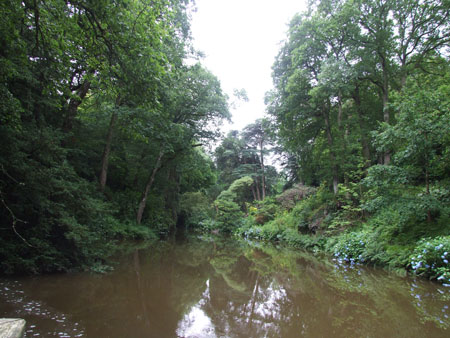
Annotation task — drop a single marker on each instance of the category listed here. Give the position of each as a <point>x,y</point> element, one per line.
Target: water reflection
<point>196,323</point>
<point>221,288</point>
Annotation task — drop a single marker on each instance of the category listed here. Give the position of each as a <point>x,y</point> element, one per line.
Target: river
<point>214,287</point>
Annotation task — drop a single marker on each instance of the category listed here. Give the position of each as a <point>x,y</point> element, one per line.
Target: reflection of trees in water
<point>268,292</point>
<point>240,290</point>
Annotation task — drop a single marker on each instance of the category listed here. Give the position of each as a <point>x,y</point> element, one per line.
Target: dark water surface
<point>224,288</point>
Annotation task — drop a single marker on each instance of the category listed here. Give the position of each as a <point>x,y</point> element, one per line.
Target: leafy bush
<point>276,231</point>
<point>350,247</point>
<point>263,211</point>
<point>431,258</point>
<point>309,214</point>
<point>229,215</point>
<point>130,230</point>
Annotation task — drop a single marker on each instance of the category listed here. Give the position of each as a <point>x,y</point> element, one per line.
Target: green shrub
<point>309,214</point>
<point>229,215</point>
<point>350,247</point>
<point>264,211</point>
<point>131,231</point>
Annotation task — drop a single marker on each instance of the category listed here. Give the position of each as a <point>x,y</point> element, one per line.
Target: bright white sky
<point>240,39</point>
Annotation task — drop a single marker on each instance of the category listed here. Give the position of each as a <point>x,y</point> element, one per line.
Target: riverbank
<point>428,259</point>
<point>391,236</point>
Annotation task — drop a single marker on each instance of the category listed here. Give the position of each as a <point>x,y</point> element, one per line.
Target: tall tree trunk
<point>364,142</point>
<point>386,112</point>
<point>254,193</point>
<point>344,135</point>
<point>427,180</point>
<point>263,176</point>
<point>149,184</point>
<point>258,193</point>
<point>427,183</point>
<point>107,151</point>
<point>340,110</point>
<point>403,70</point>
<point>332,153</point>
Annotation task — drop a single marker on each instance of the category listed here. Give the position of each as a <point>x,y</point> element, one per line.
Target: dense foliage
<point>101,126</point>
<point>360,115</point>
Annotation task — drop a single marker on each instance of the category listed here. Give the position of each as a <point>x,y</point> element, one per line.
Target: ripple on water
<point>39,316</point>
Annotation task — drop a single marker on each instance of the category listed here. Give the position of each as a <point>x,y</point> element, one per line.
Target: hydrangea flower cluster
<point>431,259</point>
<point>350,248</point>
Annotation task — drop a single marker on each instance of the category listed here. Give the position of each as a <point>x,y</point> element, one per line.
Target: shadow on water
<point>216,287</point>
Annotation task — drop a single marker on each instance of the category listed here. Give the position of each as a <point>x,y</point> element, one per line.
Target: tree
<point>231,203</point>
<point>141,54</point>
<point>255,136</point>
<point>193,103</point>
<point>335,76</point>
<point>84,81</point>
<point>420,137</point>
<point>242,154</point>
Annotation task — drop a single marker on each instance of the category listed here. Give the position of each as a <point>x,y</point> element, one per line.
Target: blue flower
<point>445,261</point>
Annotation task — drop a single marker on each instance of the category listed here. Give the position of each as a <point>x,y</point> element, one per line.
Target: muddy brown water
<point>224,288</point>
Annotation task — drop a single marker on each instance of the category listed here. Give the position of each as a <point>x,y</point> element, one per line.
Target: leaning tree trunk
<point>149,184</point>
